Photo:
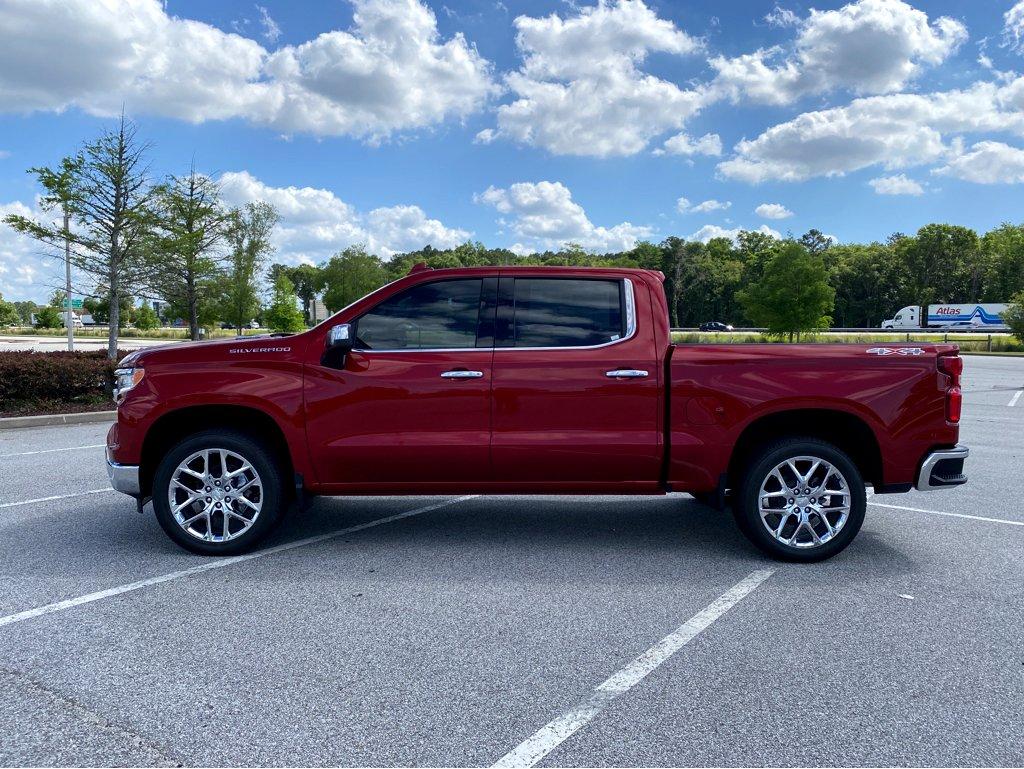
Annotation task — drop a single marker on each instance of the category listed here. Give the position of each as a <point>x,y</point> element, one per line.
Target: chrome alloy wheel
<point>215,495</point>
<point>804,502</point>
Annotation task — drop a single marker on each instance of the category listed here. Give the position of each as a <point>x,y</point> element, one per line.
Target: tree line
<point>176,241</point>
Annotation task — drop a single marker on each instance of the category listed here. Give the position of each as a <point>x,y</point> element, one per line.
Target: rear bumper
<point>124,478</point>
<point>942,469</point>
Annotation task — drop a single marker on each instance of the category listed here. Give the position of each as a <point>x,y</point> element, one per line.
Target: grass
<point>969,343</point>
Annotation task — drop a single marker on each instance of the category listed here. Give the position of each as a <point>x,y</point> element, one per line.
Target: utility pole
<point>67,279</point>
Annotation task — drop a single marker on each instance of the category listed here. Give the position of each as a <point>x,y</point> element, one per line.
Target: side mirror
<point>339,343</point>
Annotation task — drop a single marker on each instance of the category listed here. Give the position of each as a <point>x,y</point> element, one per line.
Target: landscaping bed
<point>57,382</point>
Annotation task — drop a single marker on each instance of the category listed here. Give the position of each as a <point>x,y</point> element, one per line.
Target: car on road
<point>714,326</point>
<point>530,380</point>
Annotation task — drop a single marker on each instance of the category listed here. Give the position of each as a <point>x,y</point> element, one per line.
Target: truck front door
<point>412,403</point>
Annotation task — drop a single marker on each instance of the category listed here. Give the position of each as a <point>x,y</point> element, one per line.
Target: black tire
<point>262,461</point>
<point>746,508</point>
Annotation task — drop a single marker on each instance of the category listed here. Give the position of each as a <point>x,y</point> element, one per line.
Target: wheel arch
<point>848,432</point>
<point>178,424</point>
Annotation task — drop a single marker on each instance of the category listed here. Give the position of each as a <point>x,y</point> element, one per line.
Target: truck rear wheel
<point>801,499</point>
<point>218,493</point>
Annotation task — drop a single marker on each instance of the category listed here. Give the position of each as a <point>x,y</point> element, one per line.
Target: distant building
<point>317,311</point>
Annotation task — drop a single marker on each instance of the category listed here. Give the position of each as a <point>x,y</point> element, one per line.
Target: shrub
<point>28,378</point>
<point>48,317</point>
<point>1014,316</point>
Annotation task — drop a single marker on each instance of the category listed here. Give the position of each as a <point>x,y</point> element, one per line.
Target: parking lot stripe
<point>549,737</point>
<point>50,499</point>
<point>950,515</point>
<point>219,563</point>
<point>51,451</point>
<point>1015,398</point>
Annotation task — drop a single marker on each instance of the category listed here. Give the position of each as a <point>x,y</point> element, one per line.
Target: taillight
<point>954,402</point>
<point>952,366</point>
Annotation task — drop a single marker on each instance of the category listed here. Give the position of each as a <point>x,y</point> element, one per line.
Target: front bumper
<point>942,469</point>
<point>124,478</point>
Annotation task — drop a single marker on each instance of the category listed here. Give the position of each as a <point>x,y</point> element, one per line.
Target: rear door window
<point>566,312</point>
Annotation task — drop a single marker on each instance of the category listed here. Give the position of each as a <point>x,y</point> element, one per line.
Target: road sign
<point>76,304</point>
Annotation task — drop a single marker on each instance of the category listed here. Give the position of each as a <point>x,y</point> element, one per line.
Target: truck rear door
<point>575,384</point>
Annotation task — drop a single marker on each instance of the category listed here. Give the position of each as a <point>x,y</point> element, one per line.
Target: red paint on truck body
<point>538,420</point>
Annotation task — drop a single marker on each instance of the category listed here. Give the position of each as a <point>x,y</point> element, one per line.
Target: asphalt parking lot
<point>426,631</point>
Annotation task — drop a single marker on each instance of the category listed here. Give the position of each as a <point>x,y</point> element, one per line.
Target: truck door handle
<point>462,374</point>
<point>626,373</point>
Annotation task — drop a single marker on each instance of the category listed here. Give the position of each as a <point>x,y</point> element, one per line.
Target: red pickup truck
<point>530,380</point>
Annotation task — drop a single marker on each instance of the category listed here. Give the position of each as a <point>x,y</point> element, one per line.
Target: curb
<point>10,423</point>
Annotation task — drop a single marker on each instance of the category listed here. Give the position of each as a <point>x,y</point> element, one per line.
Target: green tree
<point>1014,316</point>
<point>249,238</point>
<point>108,197</point>
<point>1004,249</point>
<point>8,313</point>
<point>793,294</point>
<point>283,313</point>
<point>25,310</point>
<point>48,317</point>
<point>351,275</point>
<point>145,317</point>
<point>307,280</point>
<point>183,257</point>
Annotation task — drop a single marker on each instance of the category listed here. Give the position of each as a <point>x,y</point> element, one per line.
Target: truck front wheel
<point>801,499</point>
<point>217,493</point>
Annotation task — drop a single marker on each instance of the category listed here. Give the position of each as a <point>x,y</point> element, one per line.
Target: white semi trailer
<point>945,315</point>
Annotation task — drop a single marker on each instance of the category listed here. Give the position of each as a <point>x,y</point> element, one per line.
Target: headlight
<point>125,379</point>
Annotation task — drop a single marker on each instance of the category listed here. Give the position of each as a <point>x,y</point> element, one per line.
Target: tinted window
<point>431,315</point>
<point>559,312</point>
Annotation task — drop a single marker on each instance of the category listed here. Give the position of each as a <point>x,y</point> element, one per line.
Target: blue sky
<point>531,124</point>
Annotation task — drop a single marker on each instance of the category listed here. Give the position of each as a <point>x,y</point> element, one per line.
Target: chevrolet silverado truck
<point>530,380</point>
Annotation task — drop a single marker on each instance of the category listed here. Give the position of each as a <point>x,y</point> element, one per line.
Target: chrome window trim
<point>630,331</point>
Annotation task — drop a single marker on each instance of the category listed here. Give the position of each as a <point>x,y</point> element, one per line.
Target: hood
<point>212,349</point>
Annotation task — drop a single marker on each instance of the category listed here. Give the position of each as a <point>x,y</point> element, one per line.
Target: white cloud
<point>711,231</point>
<point>894,131</point>
<point>544,216</point>
<point>682,144</point>
<point>580,89</point>
<point>271,29</point>
<point>315,223</point>
<point>773,211</point>
<point>684,207</point>
<point>390,72</point>
<point>1013,28</point>
<point>25,271</point>
<point>869,47</point>
<point>781,17</point>
<point>987,162</point>
<point>899,184</point>
<point>4,154</point>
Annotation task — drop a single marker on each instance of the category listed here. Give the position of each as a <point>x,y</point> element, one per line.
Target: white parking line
<point>950,515</point>
<point>1015,398</point>
<point>50,499</point>
<point>562,728</point>
<point>51,451</point>
<point>219,563</point>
